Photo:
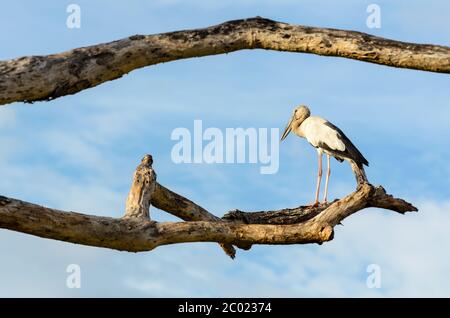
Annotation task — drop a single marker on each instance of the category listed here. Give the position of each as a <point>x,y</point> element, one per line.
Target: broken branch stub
<point>141,191</point>
<point>145,191</point>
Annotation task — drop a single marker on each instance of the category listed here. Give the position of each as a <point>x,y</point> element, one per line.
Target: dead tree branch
<point>135,232</point>
<point>145,191</point>
<point>38,78</point>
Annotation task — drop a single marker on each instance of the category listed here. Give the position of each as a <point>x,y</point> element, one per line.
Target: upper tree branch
<point>35,78</point>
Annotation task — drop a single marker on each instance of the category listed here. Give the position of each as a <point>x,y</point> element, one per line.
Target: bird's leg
<point>319,178</point>
<point>326,180</point>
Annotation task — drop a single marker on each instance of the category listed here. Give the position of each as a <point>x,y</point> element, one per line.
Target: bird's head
<point>299,114</point>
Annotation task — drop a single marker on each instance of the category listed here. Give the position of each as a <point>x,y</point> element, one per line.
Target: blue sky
<point>79,152</point>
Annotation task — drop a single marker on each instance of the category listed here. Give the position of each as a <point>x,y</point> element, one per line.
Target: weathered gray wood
<point>145,191</point>
<point>37,78</point>
<point>283,216</point>
<point>141,191</point>
<point>173,203</point>
<point>140,234</point>
<point>377,199</point>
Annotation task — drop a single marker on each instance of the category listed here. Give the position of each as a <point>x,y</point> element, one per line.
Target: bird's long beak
<point>288,129</point>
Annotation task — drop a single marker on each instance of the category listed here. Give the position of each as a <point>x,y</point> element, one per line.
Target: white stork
<point>328,139</point>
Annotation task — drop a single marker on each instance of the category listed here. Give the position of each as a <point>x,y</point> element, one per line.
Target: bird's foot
<point>313,205</point>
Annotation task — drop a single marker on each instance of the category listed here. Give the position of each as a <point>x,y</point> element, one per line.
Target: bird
<point>328,139</point>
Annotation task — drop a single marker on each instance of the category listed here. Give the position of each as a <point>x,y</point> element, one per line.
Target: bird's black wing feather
<point>350,149</point>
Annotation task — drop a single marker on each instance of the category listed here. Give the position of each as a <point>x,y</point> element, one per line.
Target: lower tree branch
<point>135,232</point>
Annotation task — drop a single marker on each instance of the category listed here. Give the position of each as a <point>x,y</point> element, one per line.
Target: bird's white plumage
<point>326,138</point>
<point>317,132</point>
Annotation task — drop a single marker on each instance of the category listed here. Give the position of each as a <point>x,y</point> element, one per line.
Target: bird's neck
<point>297,128</point>
<point>296,124</point>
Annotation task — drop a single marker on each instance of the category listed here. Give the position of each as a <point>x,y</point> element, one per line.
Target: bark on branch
<point>38,78</point>
<point>146,191</point>
<point>135,232</point>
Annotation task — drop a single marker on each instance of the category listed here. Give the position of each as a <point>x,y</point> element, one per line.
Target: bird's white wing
<point>318,133</point>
